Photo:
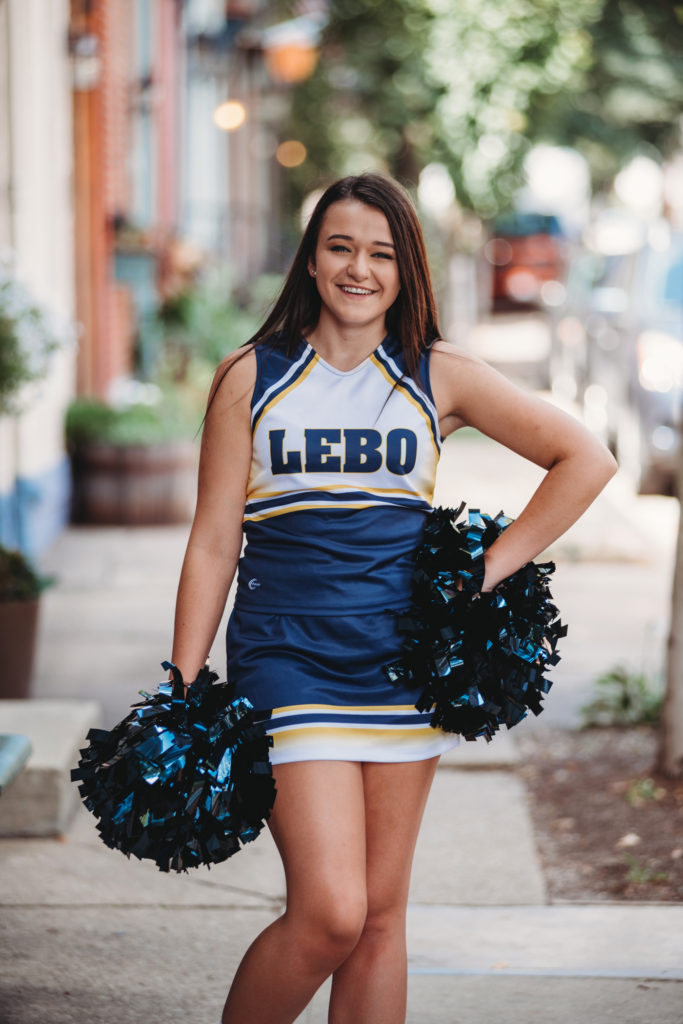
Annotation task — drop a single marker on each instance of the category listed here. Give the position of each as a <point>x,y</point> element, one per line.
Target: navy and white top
<point>342,476</point>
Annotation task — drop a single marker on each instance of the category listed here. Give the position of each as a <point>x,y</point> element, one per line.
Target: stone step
<point>41,799</point>
<point>14,753</point>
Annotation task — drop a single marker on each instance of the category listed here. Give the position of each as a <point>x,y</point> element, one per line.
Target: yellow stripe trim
<point>406,393</point>
<point>295,383</point>
<point>282,736</point>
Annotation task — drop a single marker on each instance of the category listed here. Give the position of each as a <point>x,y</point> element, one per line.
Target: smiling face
<point>355,266</point>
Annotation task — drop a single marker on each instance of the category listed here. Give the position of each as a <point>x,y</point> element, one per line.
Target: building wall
<point>36,225</point>
<point>127,127</point>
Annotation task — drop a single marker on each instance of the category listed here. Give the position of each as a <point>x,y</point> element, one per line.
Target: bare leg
<point>370,987</point>
<point>318,823</point>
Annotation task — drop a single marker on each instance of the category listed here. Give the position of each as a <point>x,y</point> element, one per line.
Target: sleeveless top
<point>342,476</point>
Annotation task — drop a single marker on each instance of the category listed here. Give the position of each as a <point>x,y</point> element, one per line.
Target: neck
<point>345,346</point>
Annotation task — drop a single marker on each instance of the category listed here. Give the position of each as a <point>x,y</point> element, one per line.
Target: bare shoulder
<point>457,367</point>
<point>454,375</point>
<point>226,437</point>
<point>451,358</point>
<point>234,378</point>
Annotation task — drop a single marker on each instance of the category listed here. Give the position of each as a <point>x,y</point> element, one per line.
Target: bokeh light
<point>435,191</point>
<point>291,153</point>
<point>230,115</point>
<point>292,62</point>
<point>639,186</point>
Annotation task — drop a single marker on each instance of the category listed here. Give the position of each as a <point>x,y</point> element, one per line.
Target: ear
<point>311,268</point>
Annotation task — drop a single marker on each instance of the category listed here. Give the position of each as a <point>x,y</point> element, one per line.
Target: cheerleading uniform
<point>341,479</point>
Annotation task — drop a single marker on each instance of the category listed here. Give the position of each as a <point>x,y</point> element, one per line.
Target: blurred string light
<point>435,190</point>
<point>230,116</point>
<point>291,48</point>
<point>291,63</point>
<point>291,153</point>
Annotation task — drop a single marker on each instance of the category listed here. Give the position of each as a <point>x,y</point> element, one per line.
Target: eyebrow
<point>349,238</point>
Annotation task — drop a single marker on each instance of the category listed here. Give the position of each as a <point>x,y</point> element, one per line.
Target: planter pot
<point>18,633</point>
<point>134,485</point>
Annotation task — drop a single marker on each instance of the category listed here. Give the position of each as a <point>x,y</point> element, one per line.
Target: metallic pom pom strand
<point>184,779</point>
<point>480,657</point>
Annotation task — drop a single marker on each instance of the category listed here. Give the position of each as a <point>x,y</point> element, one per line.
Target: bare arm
<point>215,540</point>
<point>468,391</point>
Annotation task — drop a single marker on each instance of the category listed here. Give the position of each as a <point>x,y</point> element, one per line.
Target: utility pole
<point>670,757</point>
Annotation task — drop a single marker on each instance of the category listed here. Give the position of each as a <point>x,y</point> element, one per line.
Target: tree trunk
<point>670,758</point>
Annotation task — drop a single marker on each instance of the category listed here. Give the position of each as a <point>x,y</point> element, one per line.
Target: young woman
<point>321,443</point>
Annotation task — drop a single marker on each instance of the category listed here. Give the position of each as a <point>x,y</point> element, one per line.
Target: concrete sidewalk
<point>88,937</point>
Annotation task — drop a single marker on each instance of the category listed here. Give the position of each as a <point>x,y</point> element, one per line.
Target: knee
<point>339,921</point>
<point>385,924</point>
<point>333,927</point>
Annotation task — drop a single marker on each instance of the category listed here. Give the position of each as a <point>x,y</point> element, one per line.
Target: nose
<point>358,266</point>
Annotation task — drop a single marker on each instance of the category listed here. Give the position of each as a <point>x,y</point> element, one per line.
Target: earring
<point>313,273</point>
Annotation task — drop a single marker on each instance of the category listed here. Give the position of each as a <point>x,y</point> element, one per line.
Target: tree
<point>371,99</point>
<point>500,63</point>
<point>630,97</point>
<point>475,83</point>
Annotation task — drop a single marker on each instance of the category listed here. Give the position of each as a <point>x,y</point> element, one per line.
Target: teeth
<point>356,291</point>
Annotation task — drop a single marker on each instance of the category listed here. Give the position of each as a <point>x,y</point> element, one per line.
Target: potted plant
<point>20,590</point>
<point>29,335</point>
<point>133,463</point>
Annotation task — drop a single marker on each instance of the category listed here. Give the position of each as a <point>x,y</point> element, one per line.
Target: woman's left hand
<point>469,392</point>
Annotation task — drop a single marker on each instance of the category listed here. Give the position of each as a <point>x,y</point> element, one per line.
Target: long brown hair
<point>412,318</point>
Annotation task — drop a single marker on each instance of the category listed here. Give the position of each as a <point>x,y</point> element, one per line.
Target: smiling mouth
<point>351,290</point>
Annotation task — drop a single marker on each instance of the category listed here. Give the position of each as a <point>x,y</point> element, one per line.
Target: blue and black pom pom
<point>184,779</point>
<point>481,658</point>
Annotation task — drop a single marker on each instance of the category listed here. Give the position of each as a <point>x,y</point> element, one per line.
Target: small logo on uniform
<point>253,583</point>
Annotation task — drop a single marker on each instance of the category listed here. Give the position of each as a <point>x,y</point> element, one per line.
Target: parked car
<point>648,425</point>
<point>618,350</point>
<point>526,251</point>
